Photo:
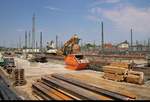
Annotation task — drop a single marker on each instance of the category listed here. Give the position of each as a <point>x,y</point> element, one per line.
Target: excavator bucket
<point>76,62</point>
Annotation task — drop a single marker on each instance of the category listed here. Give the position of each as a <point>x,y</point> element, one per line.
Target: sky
<point>68,17</point>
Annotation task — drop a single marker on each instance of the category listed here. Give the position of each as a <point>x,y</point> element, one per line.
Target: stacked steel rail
<point>5,92</point>
<point>59,87</point>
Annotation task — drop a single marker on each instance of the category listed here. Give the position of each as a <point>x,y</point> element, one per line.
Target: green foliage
<point>88,46</point>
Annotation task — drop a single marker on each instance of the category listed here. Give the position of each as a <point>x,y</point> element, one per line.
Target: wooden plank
<point>75,89</point>
<point>114,77</point>
<point>98,78</point>
<point>119,64</point>
<point>113,69</point>
<point>132,79</point>
<point>140,75</point>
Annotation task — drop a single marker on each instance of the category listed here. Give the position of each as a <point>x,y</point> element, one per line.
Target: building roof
<point>125,42</point>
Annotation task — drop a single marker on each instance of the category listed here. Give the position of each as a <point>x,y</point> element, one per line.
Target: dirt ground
<point>34,71</point>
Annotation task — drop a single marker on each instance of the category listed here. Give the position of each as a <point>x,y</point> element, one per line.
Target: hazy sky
<point>66,17</point>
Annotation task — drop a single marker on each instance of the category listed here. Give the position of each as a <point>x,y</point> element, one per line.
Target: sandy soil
<point>34,71</point>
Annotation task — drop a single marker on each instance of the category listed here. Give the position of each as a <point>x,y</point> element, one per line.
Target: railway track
<point>102,56</point>
<point>119,56</point>
<point>99,62</point>
<point>55,57</point>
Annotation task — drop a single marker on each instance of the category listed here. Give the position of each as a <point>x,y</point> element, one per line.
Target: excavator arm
<point>71,46</point>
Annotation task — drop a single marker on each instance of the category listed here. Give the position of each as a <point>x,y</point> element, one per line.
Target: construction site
<point>71,70</point>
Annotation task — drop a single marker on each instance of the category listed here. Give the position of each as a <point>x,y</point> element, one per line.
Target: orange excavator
<point>73,58</point>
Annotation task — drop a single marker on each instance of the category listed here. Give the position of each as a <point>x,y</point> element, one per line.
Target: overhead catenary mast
<point>56,41</point>
<point>33,31</point>
<point>149,44</point>
<point>25,39</point>
<point>29,40</point>
<point>41,43</point>
<point>102,34</point>
<point>36,45</point>
<point>131,39</point>
<point>19,42</point>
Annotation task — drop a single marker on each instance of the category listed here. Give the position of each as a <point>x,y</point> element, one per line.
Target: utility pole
<point>149,44</point>
<point>144,42</point>
<point>33,31</point>
<point>102,44</point>
<point>94,45</point>
<point>137,42</point>
<point>29,40</point>
<point>17,45</point>
<point>56,41</point>
<point>19,42</point>
<point>81,43</point>
<point>41,44</point>
<point>61,44</point>
<point>25,39</point>
<point>131,40</point>
<point>36,46</point>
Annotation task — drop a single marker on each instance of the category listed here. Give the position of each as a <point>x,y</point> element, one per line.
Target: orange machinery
<point>76,62</point>
<point>73,59</point>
